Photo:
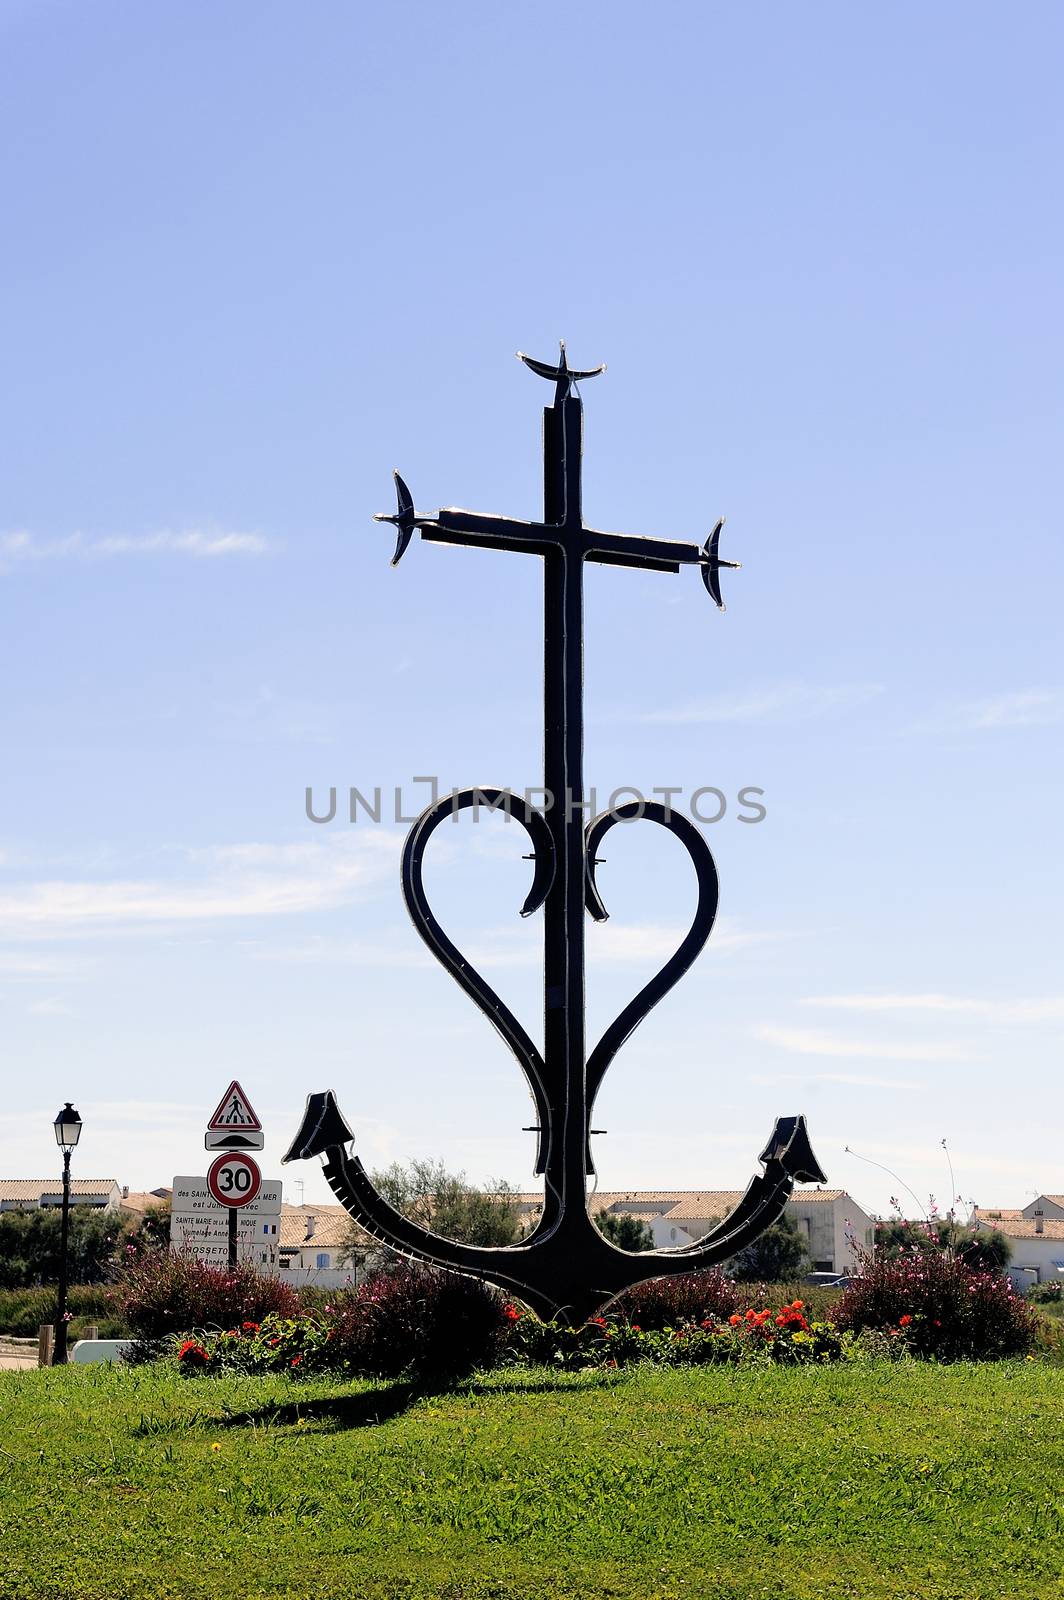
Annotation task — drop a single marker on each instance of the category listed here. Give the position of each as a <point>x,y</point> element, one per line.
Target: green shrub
<point>409,1321</point>
<point>779,1252</point>
<point>30,1245</point>
<point>160,1293</point>
<point>22,1311</point>
<point>939,1306</point>
<point>688,1297</point>
<point>766,1335</point>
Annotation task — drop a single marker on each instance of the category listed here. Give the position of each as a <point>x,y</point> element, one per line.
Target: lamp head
<point>67,1128</point>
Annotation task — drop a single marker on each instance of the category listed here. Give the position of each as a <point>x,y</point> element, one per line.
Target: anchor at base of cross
<point>565,1268</point>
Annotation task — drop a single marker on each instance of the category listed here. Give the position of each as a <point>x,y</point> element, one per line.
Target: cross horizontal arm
<point>452,526</point>
<point>635,550</point>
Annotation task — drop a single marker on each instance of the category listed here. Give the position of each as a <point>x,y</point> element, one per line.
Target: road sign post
<point>234,1180</point>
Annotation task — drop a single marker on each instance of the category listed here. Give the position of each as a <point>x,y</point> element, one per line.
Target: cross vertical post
<point>563,778</point>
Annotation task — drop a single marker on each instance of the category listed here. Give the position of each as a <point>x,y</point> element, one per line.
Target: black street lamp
<point>67,1134</point>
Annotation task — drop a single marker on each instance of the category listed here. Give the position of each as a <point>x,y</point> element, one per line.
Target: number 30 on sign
<point>234,1179</point>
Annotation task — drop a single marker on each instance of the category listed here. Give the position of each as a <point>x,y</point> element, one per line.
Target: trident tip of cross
<point>563,375</point>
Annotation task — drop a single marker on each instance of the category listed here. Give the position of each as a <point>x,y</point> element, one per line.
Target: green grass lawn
<point>877,1483</point>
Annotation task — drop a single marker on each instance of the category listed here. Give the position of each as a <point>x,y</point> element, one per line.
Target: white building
<point>316,1238</point>
<point>33,1194</point>
<point>829,1220</point>
<point>1035,1235</point>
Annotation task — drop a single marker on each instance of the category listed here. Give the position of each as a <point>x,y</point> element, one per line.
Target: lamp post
<point>67,1133</point>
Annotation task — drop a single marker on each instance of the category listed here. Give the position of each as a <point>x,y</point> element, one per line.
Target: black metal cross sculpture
<point>565,1267</point>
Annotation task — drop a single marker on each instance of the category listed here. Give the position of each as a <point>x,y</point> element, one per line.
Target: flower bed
<point>431,1325</point>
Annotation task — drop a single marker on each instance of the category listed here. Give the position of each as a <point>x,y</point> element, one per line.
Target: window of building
<point>323,1259</point>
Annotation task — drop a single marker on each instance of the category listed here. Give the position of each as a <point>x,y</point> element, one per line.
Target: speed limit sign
<point>234,1179</point>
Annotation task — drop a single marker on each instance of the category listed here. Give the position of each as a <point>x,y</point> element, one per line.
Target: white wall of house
<point>668,1235</point>
<point>831,1230</point>
<point>316,1277</point>
<point>1042,1258</point>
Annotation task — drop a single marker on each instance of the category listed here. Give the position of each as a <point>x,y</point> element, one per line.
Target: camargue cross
<point>564,1268</point>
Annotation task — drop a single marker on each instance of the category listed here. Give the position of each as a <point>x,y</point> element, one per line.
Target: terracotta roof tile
<point>676,1204</point>
<point>332,1227</point>
<point>33,1188</point>
<point>1026,1228</point>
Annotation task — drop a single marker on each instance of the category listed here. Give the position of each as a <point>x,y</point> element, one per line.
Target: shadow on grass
<point>365,1409</point>
<point>368,1408</point>
<point>564,1383</point>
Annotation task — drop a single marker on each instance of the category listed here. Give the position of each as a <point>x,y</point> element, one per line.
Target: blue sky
<point>258,256</point>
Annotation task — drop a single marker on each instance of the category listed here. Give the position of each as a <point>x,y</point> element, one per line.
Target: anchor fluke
<point>790,1147</point>
<point>323,1128</point>
<point>404,519</point>
<point>711,565</point>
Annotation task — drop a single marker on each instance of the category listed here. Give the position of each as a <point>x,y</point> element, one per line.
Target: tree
<point>446,1202</point>
<point>778,1256</point>
<point>981,1248</point>
<point>154,1230</point>
<point>30,1245</point>
<point>624,1230</point>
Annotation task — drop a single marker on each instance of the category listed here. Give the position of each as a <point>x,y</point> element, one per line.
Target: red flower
<point>252,1327</point>
<point>511,1313</point>
<point>295,1361</point>
<point>792,1320</point>
<point>735,1319</point>
<point>903,1322</point>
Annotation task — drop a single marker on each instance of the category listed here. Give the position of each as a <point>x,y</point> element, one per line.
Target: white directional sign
<point>235,1125</point>
<point>199,1224</point>
<point>193,1195</point>
<point>256,1241</point>
<point>215,1225</point>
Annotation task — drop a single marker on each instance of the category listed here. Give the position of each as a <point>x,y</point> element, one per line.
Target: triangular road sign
<point>235,1113</point>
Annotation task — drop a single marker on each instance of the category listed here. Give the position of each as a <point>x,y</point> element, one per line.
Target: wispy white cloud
<point>612,943</point>
<point>519,945</point>
<point>789,701</point>
<point>1048,1008</point>
<point>380,952</point>
<point>1017,708</point>
<point>249,880</point>
<point>858,1079</point>
<point>203,543</point>
<point>814,1042</point>
<point>19,966</point>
